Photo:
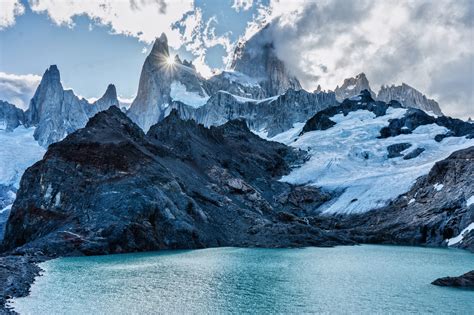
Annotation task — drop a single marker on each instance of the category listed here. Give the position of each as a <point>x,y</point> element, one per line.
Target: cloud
<point>427,44</point>
<point>10,9</point>
<point>144,19</point>
<point>198,35</point>
<point>243,5</point>
<point>18,89</point>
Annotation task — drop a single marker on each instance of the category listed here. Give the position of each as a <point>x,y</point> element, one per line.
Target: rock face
<point>156,79</point>
<point>409,97</point>
<point>353,86</point>
<point>110,188</point>
<point>10,116</point>
<point>56,112</point>
<point>272,115</point>
<point>464,281</point>
<point>433,211</point>
<point>257,59</point>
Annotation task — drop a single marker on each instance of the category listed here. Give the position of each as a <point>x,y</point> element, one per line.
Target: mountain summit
<point>257,58</point>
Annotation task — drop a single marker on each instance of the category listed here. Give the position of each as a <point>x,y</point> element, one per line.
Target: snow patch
<point>438,187</point>
<point>470,201</point>
<point>412,200</point>
<point>458,239</point>
<point>350,159</point>
<point>240,78</point>
<point>18,151</point>
<point>181,94</point>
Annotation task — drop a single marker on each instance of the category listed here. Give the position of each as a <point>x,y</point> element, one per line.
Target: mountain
<point>353,86</point>
<point>269,116</point>
<point>56,112</point>
<point>163,80</point>
<point>10,116</point>
<point>109,188</point>
<point>409,97</point>
<point>257,58</point>
<point>438,210</point>
<point>369,152</point>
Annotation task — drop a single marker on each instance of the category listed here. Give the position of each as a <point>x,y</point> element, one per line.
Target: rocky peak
<point>160,47</point>
<point>108,99</point>
<point>155,86</point>
<point>409,97</point>
<point>257,58</point>
<point>353,86</point>
<point>10,116</point>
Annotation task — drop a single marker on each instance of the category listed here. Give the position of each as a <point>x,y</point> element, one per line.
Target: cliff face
<point>409,97</point>
<point>10,116</point>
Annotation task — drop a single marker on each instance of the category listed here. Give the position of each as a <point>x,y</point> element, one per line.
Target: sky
<point>426,44</point>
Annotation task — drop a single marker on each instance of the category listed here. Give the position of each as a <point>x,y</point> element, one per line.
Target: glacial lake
<point>344,279</point>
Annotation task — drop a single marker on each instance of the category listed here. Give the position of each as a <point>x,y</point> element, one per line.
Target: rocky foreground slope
<point>109,188</point>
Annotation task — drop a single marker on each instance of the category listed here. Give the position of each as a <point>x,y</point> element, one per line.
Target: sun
<point>170,60</point>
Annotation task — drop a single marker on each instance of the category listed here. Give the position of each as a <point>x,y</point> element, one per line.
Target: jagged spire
<point>161,45</point>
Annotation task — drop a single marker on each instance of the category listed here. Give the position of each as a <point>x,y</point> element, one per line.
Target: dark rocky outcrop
<point>395,149</point>
<point>464,281</point>
<point>17,273</point>
<point>109,188</point>
<point>415,118</point>
<point>10,116</point>
<point>321,120</point>
<point>413,154</point>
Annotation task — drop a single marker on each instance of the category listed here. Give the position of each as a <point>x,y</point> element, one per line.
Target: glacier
<point>350,160</point>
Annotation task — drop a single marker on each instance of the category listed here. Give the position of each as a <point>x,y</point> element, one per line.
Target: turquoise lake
<point>364,279</point>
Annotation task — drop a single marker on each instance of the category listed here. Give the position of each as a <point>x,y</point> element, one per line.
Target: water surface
<point>346,279</point>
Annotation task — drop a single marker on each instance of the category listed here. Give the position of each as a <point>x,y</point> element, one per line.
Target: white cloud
<point>144,50</point>
<point>243,5</point>
<point>10,9</point>
<point>18,89</point>
<point>427,44</point>
<point>144,19</point>
<point>198,36</point>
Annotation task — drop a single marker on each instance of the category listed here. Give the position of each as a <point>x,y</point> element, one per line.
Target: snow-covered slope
<point>18,151</point>
<point>350,160</point>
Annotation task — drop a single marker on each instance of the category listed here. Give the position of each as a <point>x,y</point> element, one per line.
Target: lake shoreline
<point>19,272</point>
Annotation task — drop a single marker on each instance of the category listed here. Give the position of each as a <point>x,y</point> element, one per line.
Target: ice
<point>438,187</point>
<point>18,151</point>
<point>470,201</point>
<point>457,239</point>
<point>238,77</point>
<point>349,158</point>
<point>180,93</point>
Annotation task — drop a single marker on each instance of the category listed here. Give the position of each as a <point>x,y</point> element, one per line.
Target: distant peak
<point>161,45</point>
<point>52,74</point>
<point>111,91</point>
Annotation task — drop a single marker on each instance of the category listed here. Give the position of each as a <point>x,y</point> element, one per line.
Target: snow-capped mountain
<point>353,86</point>
<point>268,116</point>
<point>163,80</point>
<point>257,59</point>
<point>56,112</point>
<point>410,97</point>
<point>10,116</point>
<point>368,153</point>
